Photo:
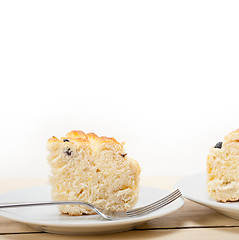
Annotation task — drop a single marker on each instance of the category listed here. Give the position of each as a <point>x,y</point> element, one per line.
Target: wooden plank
<point>179,234</point>
<point>9,226</point>
<point>192,214</point>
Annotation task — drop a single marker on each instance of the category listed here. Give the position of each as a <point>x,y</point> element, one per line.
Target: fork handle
<point>30,204</point>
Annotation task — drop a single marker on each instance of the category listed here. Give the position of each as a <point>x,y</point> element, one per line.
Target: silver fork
<point>106,214</point>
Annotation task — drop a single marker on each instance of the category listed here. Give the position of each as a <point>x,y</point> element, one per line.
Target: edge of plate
<point>209,202</point>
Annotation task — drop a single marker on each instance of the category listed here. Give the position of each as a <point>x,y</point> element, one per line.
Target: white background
<point>161,75</point>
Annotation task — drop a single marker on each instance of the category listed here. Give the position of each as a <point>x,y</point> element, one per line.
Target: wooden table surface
<point>193,221</point>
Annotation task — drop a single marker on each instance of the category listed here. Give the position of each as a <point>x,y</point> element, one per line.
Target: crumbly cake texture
<point>85,167</point>
<point>223,169</point>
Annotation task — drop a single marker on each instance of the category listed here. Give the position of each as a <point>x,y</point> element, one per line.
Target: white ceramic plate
<point>48,218</point>
<point>194,188</point>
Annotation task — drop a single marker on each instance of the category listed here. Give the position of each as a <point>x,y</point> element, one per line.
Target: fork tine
<point>153,209</point>
<point>156,205</point>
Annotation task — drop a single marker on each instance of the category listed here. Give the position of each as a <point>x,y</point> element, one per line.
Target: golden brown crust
<point>81,138</point>
<point>75,134</point>
<point>233,136</point>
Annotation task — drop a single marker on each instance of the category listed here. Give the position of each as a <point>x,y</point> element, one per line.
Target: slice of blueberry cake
<point>93,169</point>
<point>223,169</point>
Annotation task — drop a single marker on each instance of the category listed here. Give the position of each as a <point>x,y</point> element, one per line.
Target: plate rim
<point>208,202</point>
<point>15,217</point>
